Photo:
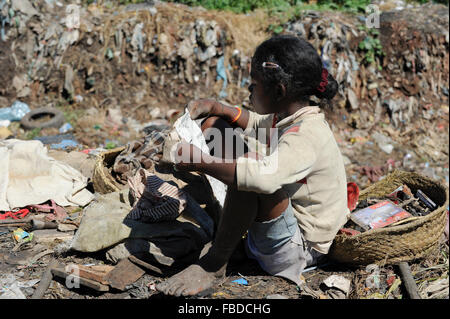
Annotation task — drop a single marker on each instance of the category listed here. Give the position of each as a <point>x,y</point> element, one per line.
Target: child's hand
<point>187,156</point>
<point>179,153</point>
<point>203,108</point>
<point>171,144</point>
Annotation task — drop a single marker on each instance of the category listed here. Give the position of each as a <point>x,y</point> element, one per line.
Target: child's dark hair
<point>293,62</point>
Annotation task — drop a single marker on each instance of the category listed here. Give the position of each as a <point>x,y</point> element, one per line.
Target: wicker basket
<point>404,242</point>
<point>103,181</point>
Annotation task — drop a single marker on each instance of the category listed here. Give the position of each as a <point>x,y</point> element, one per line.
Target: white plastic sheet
<point>190,130</point>
<point>29,176</point>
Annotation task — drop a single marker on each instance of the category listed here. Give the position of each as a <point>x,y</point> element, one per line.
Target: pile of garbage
<point>154,46</point>
<point>409,72</point>
<point>60,49</point>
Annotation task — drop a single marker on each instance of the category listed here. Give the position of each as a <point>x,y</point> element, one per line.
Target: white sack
<point>29,176</point>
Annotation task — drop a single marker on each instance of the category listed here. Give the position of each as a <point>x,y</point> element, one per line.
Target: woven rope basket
<point>103,181</point>
<point>406,241</point>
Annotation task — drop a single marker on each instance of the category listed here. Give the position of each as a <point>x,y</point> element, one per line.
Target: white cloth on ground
<point>28,175</point>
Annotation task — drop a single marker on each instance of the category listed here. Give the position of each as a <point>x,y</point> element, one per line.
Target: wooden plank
<point>7,222</point>
<point>96,273</point>
<point>83,281</point>
<point>98,268</point>
<point>49,235</point>
<point>139,262</point>
<point>165,271</point>
<point>124,274</point>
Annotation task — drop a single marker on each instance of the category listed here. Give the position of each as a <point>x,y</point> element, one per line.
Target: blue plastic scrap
<point>15,112</point>
<point>220,68</point>
<point>66,127</point>
<point>241,281</point>
<point>221,74</point>
<point>54,139</point>
<point>3,21</point>
<point>64,144</point>
<point>245,81</point>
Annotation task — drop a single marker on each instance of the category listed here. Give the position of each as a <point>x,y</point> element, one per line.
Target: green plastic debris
<point>110,145</point>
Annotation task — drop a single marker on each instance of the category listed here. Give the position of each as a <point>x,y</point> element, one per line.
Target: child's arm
<point>292,161</point>
<point>205,107</point>
<point>207,164</point>
<point>193,159</point>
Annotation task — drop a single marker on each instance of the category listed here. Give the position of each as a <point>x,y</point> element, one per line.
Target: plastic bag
<point>15,112</point>
<point>191,132</point>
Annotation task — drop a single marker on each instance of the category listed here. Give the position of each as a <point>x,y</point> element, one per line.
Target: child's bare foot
<point>191,281</point>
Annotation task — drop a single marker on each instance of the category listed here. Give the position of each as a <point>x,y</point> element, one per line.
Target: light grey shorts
<point>280,248</point>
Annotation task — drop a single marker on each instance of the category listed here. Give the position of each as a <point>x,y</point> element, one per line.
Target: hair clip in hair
<point>270,65</point>
<point>323,84</point>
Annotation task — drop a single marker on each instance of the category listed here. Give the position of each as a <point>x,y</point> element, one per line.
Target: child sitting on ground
<point>292,199</point>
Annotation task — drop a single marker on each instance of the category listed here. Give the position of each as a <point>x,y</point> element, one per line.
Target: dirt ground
<point>260,285</point>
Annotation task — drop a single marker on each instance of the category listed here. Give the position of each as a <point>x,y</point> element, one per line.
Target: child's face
<point>259,97</point>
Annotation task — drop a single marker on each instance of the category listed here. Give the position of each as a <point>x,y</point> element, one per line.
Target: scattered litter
<point>309,269</point>
<point>19,214</point>
<point>10,289</point>
<point>338,282</point>
<point>14,113</point>
<point>152,286</point>
<point>39,224</point>
<point>5,133</point>
<point>373,280</point>
<point>69,273</point>
<point>54,139</point>
<point>394,286</point>
<point>56,212</point>
<point>66,127</point>
<point>436,289</point>
<point>64,144</point>
<point>383,142</point>
<point>241,281</point>
<point>276,296</point>
<point>67,227</point>
<point>5,123</point>
<point>22,236</point>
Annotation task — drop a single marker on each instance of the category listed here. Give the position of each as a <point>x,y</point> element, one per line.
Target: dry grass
<point>432,270</point>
